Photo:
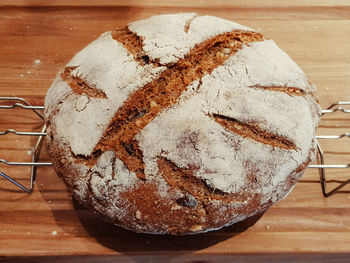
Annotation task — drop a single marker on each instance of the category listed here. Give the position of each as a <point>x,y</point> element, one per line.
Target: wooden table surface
<point>316,34</point>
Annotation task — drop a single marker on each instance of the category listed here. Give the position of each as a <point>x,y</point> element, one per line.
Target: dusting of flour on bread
<point>169,41</point>
<point>232,129</point>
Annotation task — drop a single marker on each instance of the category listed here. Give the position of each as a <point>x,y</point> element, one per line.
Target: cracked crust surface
<point>181,124</point>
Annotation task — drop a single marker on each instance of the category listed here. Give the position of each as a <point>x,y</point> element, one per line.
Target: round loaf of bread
<point>181,124</point>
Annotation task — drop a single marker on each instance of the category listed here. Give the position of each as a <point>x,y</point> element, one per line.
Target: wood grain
<point>314,33</point>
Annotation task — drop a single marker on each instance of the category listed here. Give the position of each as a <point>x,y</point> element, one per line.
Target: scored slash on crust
<point>196,191</point>
<point>254,132</point>
<point>184,179</point>
<point>292,91</point>
<point>133,43</point>
<point>79,86</point>
<point>188,23</point>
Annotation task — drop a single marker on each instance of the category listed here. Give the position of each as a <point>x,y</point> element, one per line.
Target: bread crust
<point>213,128</point>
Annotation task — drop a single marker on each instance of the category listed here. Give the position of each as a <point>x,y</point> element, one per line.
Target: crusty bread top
<point>174,35</point>
<point>255,113</point>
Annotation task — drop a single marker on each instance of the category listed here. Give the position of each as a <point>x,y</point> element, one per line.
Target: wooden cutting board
<point>39,37</point>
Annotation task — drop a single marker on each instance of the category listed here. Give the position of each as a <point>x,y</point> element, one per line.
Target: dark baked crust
<point>161,213</point>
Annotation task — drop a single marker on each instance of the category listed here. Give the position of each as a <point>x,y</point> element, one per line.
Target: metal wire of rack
<point>322,166</point>
<point>17,102</point>
<point>22,103</point>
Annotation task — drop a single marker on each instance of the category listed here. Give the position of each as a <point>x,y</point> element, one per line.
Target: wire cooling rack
<point>10,103</point>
